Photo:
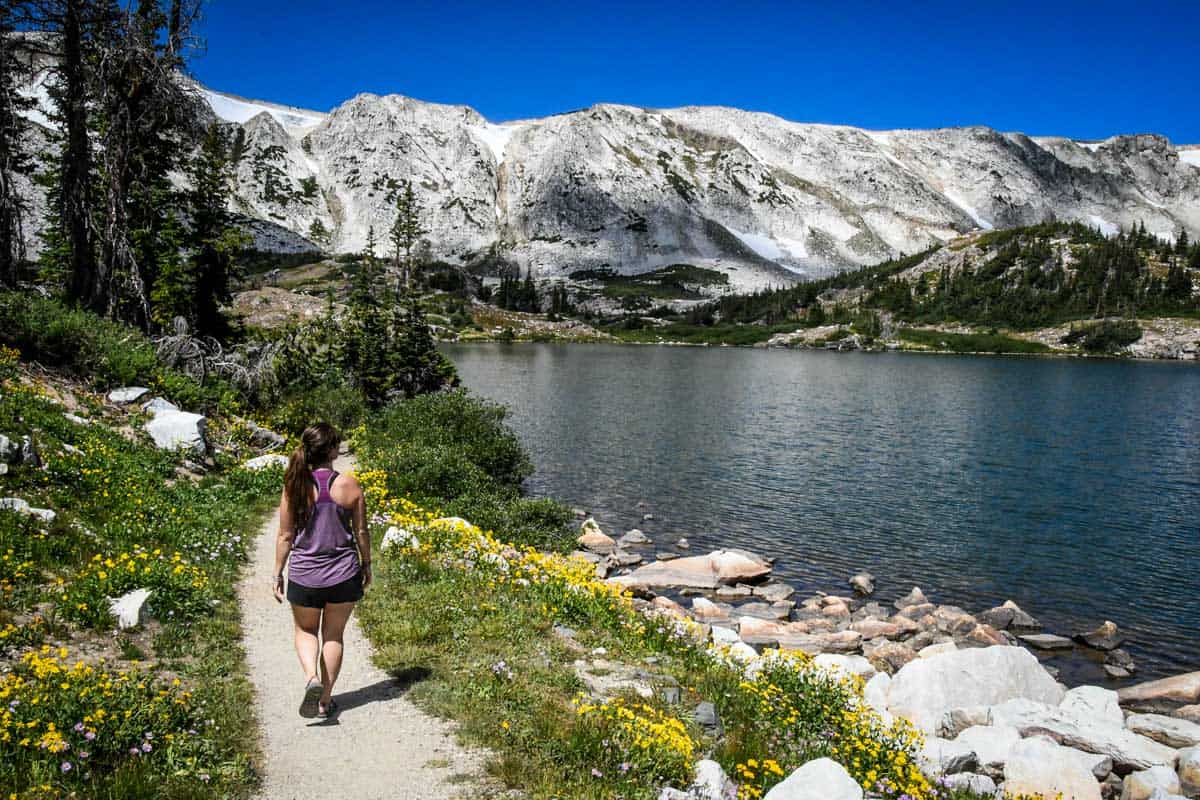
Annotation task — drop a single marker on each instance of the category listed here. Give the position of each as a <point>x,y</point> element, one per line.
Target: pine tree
<point>213,240</point>
<point>318,234</point>
<point>406,231</point>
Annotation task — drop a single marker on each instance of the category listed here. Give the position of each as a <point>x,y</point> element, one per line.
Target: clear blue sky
<point>1081,69</point>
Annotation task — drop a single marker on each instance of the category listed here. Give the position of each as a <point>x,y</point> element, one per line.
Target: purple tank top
<point>323,552</point>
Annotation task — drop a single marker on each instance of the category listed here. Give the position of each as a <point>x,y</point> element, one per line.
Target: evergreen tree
<point>406,231</point>
<point>318,234</point>
<point>213,240</point>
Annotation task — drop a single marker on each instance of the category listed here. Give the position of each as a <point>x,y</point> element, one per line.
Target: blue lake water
<point>1070,486</point>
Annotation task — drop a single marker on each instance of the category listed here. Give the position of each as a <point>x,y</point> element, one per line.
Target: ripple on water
<point>1072,487</point>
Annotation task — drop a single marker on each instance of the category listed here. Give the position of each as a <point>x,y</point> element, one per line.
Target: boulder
<point>850,665</point>
<point>940,756</point>
<point>1046,641</point>
<point>604,678</point>
<point>875,693</point>
<point>130,608</point>
<point>624,558</point>
<point>633,537</point>
<point>890,655</point>
<point>925,689</point>
<point>264,437</point>
<point>719,567</point>
<point>593,539</point>
<point>10,451</point>
<point>1166,730</point>
<point>1190,713</point>
<point>722,635</point>
<point>1094,702</point>
<point>711,782</point>
<point>874,628</point>
<point>980,785</point>
<point>172,429</point>
<point>1128,750</point>
<point>999,617</point>
<point>1189,770</point>
<point>814,643</point>
<point>991,744</point>
<point>863,583</point>
<point>127,394</point>
<point>773,592</point>
<point>1021,622</point>
<point>1163,694</point>
<point>19,506</point>
<point>983,635</point>
<point>709,720</point>
<point>1142,785</point>
<point>822,779</point>
<point>770,611</point>
<point>954,621</point>
<point>1106,637</point>
<point>263,462</point>
<point>914,598</point>
<point>755,630</point>
<point>157,404</point>
<point>936,649</point>
<point>1038,767</point>
<point>1119,664</point>
<point>708,611</point>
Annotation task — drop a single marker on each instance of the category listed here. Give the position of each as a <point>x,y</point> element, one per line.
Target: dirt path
<point>380,745</point>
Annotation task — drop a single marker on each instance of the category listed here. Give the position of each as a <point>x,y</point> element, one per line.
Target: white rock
<point>822,779</point>
<point>925,689</point>
<point>128,394</point>
<point>940,756</point>
<point>9,450</point>
<point>76,419</point>
<point>175,430</point>
<point>1094,702</point>
<point>971,782</point>
<point>740,651</point>
<point>129,608</point>
<point>722,635</point>
<point>1143,784</point>
<point>1166,730</point>
<point>711,782</point>
<point>398,537</point>
<point>22,507</point>
<point>941,648</point>
<point>991,743</point>
<point>875,694</point>
<point>851,665</point>
<point>269,460</point>
<point>1127,749</point>
<point>1038,766</point>
<point>158,404</point>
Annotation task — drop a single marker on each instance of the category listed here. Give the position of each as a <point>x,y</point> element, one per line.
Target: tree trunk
<point>76,162</point>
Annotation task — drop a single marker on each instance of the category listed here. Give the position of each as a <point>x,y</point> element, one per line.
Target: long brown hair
<point>319,443</point>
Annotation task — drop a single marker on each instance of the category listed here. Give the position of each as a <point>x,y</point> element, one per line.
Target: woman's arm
<point>362,535</point>
<point>283,545</point>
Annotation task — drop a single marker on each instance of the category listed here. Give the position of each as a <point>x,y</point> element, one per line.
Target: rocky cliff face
<point>760,198</point>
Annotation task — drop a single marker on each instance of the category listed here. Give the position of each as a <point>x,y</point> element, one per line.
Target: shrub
<point>1105,336</point>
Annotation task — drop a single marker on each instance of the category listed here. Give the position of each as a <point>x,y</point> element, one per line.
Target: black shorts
<point>348,591</point>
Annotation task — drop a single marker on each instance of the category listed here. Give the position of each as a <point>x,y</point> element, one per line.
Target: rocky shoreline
<point>995,718</point>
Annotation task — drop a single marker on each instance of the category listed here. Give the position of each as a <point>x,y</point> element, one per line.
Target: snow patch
<point>793,247</point>
<point>1106,227</point>
<point>1092,146</point>
<point>495,137</point>
<point>235,109</point>
<point>1190,156</point>
<point>957,199</point>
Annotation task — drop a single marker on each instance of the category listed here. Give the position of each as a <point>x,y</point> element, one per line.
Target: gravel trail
<point>379,746</point>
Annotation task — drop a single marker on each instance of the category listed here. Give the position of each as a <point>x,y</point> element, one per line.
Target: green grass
<point>115,496</point>
<point>970,342</point>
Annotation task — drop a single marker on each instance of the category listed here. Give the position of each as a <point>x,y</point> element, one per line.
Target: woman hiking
<point>324,542</point>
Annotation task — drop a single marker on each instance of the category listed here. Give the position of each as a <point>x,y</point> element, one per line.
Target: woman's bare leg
<point>333,625</point>
<point>308,624</point>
